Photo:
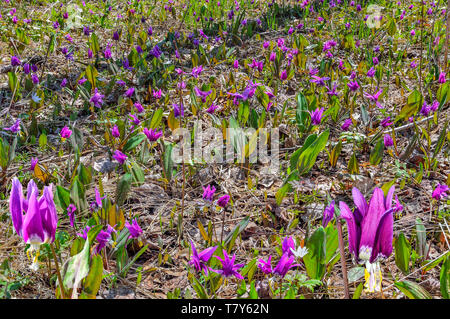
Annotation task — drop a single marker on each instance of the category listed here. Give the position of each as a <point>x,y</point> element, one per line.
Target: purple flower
<point>202,94</point>
<point>14,128</point>
<point>33,163</point>
<point>345,126</point>
<point>115,131</point>
<point>197,71</point>
<point>63,82</point>
<point>26,68</point>
<point>353,85</point>
<point>316,116</point>
<point>374,98</point>
<point>371,72</point>
<point>283,75</point>
<point>97,99</point>
<point>178,110</point>
<point>287,244</point>
<point>82,81</point>
<point>425,110</point>
<point>265,266</point>
<point>440,191</point>
<point>388,142</point>
<point>284,265</point>
<point>120,157</point>
<point>152,134</point>
<point>370,226</point>
<point>319,81</point>
<point>228,267</point>
<point>200,260</point>
<point>157,94</point>
<point>129,93</point>
<point>441,79</point>
<point>35,79</point>
<point>386,122</point>
<point>85,232</point>
<point>103,238</point>
<point>139,107</point>
<point>39,223</point>
<point>236,64</point>
<point>328,214</point>
<point>116,36</point>
<point>223,201</point>
<point>212,108</point>
<point>134,229</point>
<point>71,213</point>
<point>65,132</point>
<point>208,192</point>
<point>15,61</point>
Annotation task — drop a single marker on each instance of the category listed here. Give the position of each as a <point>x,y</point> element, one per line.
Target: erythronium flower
<point>115,131</point>
<point>134,229</point>
<point>15,61</point>
<point>265,266</point>
<point>208,192</point>
<point>374,98</point>
<point>65,132</point>
<point>71,213</point>
<point>97,99</point>
<point>178,110</point>
<point>283,75</point>
<point>103,238</point>
<point>319,81</point>
<point>120,157</point>
<point>353,85</point>
<point>228,267</point>
<point>388,141</point>
<point>84,233</point>
<point>223,201</point>
<point>129,93</point>
<point>345,126</point>
<point>386,122</point>
<point>34,161</point>
<point>212,108</point>
<point>152,134</point>
<point>440,191</point>
<point>287,244</point>
<point>14,128</point>
<point>39,223</point>
<point>202,94</point>
<point>370,231</point>
<point>442,78</point>
<point>200,260</point>
<point>328,214</point>
<point>284,265</point>
<point>371,72</point>
<point>316,116</point>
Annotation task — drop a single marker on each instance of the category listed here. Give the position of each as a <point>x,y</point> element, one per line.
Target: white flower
<point>300,252</point>
<point>36,98</point>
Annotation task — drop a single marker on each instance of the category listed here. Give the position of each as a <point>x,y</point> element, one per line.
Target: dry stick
<point>343,264</point>
<point>58,273</point>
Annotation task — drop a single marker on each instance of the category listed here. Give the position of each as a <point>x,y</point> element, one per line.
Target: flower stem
<point>58,273</point>
<point>343,264</point>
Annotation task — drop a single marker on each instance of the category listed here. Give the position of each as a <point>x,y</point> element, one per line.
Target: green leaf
<point>93,280</point>
<point>76,269</point>
<point>445,278</point>
<point>123,187</point>
<point>231,237</point>
<point>91,75</point>
<point>296,155</point>
<point>332,242</point>
<point>156,118</point>
<point>412,290</point>
<point>377,153</point>
<point>168,162</point>
<point>301,113</point>
<point>353,166</point>
<point>402,253</point>
<point>315,258</point>
<point>133,142</point>
<point>415,101</point>
<point>308,158</point>
<point>62,198</point>
<point>421,238</point>
<point>358,291</point>
<point>355,274</point>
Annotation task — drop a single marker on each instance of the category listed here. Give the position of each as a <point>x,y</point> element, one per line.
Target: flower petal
<point>383,240</point>
<point>15,205</point>
<point>360,201</point>
<point>33,232</point>
<point>354,231</point>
